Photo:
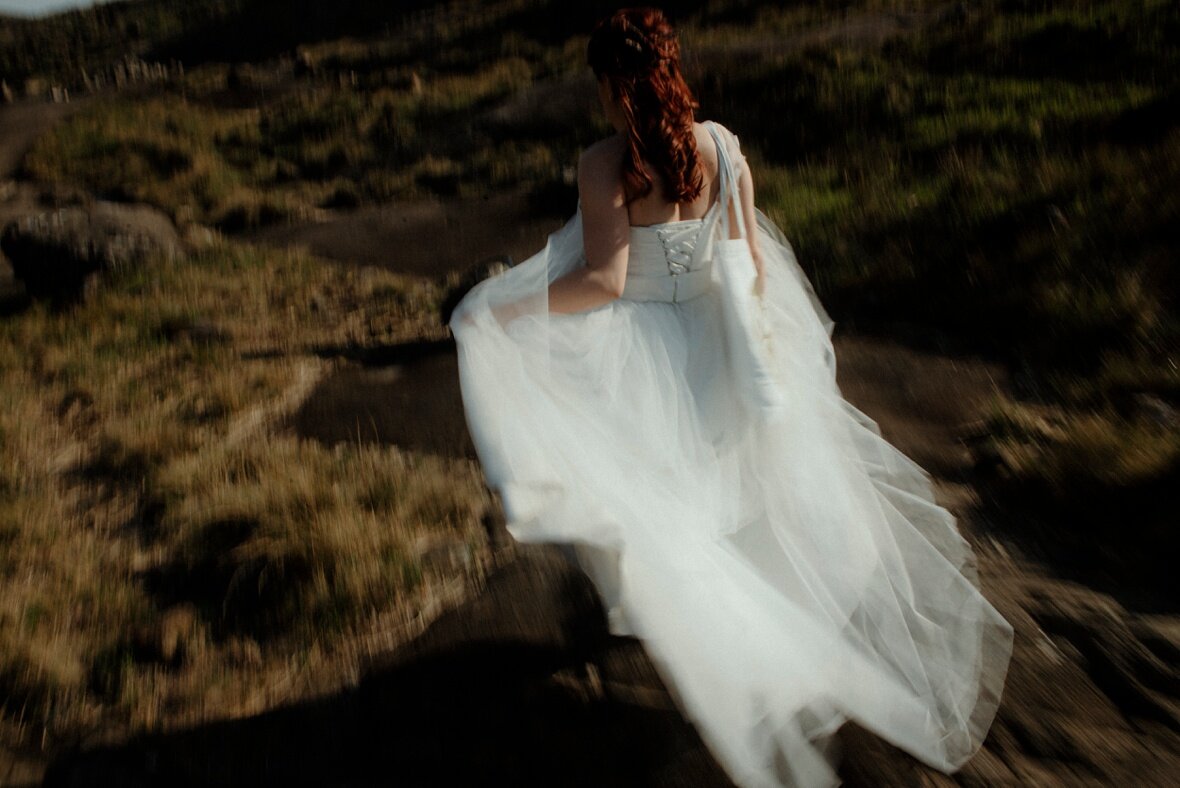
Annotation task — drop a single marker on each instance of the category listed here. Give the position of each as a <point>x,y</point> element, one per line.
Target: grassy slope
<point>164,541</point>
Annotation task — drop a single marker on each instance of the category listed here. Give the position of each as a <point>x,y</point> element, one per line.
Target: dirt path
<point>427,238</point>
<point>22,122</point>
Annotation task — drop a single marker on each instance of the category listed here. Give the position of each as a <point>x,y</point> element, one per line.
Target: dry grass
<point>321,146</point>
<point>1067,451</point>
<point>169,553</point>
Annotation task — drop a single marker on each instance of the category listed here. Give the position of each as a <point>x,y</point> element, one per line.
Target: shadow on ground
<point>406,395</point>
<point>497,690</point>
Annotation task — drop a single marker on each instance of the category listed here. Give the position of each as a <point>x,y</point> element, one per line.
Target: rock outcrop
<point>60,254</point>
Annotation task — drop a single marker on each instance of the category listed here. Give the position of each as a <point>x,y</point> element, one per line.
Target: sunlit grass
<point>245,168</point>
<point>160,526</point>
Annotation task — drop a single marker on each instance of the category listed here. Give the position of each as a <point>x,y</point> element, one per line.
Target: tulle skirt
<point>784,577</point>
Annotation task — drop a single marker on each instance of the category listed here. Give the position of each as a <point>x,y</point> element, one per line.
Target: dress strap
<point>728,192</point>
<point>704,245</point>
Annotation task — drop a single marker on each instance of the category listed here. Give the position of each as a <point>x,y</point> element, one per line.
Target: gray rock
<point>59,254</point>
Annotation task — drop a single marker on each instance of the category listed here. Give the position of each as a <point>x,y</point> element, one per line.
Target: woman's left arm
<point>606,234</point>
<point>750,218</point>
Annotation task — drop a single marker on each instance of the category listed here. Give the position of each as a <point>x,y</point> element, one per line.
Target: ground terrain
<point>257,403</point>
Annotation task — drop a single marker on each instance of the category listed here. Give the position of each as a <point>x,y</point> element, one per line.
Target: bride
<point>786,569</point>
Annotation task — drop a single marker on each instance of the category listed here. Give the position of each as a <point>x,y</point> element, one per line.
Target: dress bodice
<point>669,261</point>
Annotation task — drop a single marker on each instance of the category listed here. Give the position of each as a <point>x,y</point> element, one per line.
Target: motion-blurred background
<point>234,474</point>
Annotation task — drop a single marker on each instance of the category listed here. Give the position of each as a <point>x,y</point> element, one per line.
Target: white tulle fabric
<point>785,576</point>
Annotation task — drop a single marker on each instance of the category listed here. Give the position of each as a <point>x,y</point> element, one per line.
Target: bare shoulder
<point>600,167</point>
<point>604,156</point>
<point>727,135</point>
<point>705,147</point>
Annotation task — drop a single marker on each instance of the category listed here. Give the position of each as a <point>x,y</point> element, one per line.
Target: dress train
<point>784,577</point>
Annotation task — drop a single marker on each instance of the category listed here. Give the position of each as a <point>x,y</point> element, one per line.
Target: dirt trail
<point>427,238</point>
<point>22,122</point>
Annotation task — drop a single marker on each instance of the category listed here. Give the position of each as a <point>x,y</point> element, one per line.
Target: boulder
<point>59,254</point>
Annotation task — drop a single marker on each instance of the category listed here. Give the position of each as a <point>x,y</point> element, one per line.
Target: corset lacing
<point>679,242</point>
<point>660,266</point>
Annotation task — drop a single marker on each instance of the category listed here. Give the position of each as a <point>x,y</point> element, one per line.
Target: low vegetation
<point>1095,490</point>
<point>326,147</point>
<point>167,544</point>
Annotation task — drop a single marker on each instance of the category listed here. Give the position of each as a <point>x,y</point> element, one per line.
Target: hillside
<point>237,480</point>
<point>985,176</point>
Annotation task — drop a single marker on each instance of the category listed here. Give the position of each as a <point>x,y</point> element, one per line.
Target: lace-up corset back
<point>671,261</point>
<point>668,262</point>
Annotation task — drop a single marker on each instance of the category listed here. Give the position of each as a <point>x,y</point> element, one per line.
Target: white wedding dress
<point>783,575</point>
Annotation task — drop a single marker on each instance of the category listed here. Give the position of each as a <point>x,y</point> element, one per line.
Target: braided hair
<point>637,51</point>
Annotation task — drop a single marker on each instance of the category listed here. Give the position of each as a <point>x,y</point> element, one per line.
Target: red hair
<point>637,51</point>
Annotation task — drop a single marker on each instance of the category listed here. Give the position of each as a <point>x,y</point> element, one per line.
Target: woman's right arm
<point>606,233</point>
